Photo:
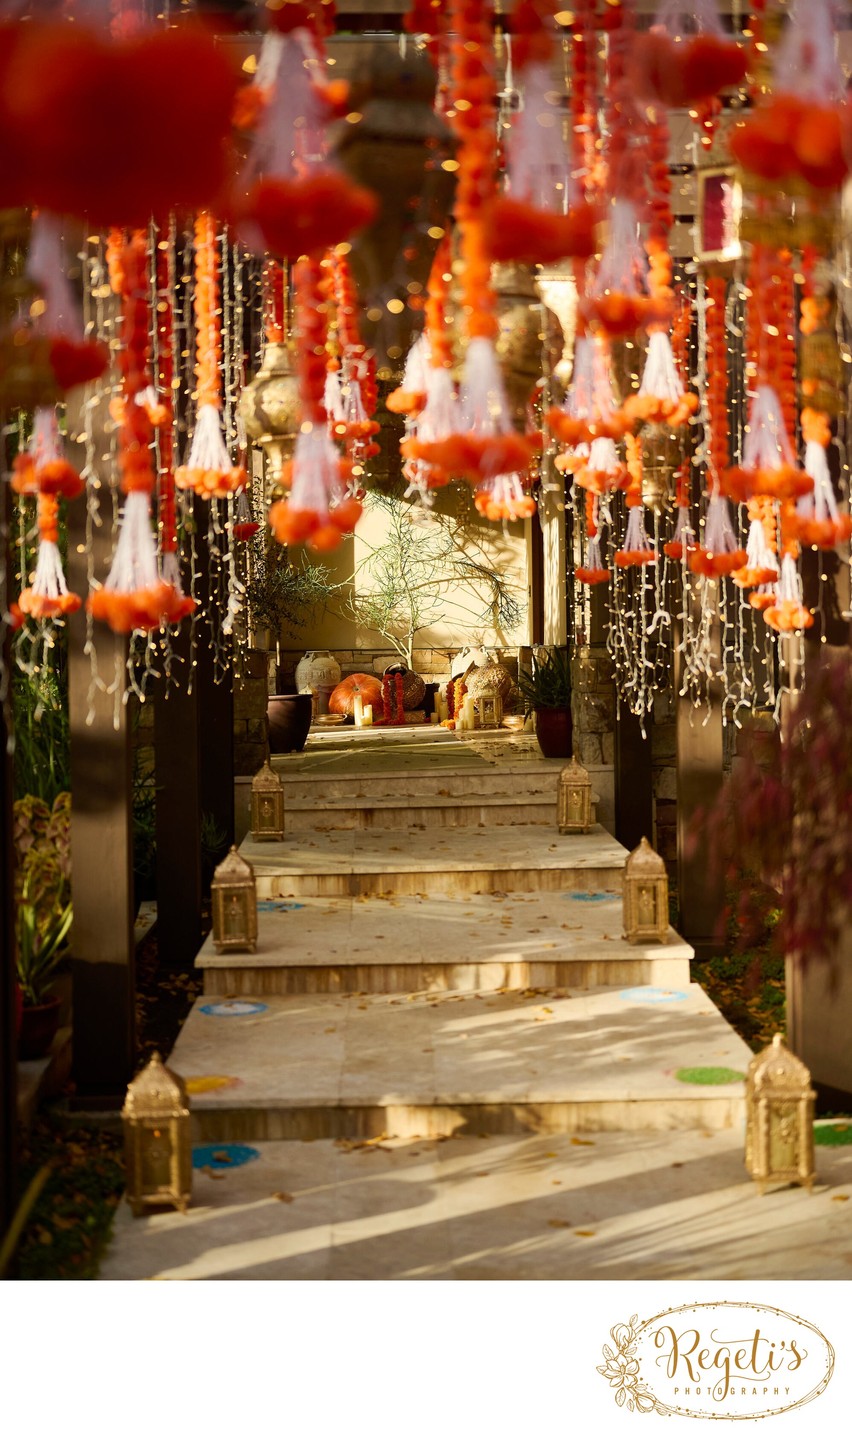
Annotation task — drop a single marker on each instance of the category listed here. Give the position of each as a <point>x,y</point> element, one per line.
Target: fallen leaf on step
<point>283,1197</point>
<point>211,1172</point>
<point>222,1156</point>
<point>584,1142</point>
<point>840,1198</point>
<point>547,1010</point>
<point>332,1029</point>
<point>557,1182</point>
<point>551,1155</point>
<point>585,1232</point>
<point>558,1223</point>
<point>677,1165</point>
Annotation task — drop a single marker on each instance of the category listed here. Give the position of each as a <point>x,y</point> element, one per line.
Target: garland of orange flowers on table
<point>134,595</point>
<point>317,510</point>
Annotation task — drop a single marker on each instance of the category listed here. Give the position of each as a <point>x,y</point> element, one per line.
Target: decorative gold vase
<point>271,411</point>
<point>530,332</point>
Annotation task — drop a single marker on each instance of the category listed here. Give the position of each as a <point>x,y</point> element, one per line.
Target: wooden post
<point>102,940</point>
<point>634,789</point>
<point>177,777</point>
<point>700,761</point>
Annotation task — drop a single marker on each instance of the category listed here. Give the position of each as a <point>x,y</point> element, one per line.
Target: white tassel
<point>417,366</point>
<point>701,17</point>
<point>636,536</point>
<point>439,417</point>
<point>47,268</point>
<point>49,581</point>
<point>207,450</point>
<point>821,504</point>
<point>603,457</point>
<point>758,553</point>
<point>134,564</point>
<point>623,262</point>
<point>317,484</point>
<point>719,536</point>
<point>790,583</point>
<point>539,167</point>
<point>767,444</point>
<point>807,62</point>
<point>291,124</point>
<point>484,406</point>
<point>333,397</point>
<point>661,379</point>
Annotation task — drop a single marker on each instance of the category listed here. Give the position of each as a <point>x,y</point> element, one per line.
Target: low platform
<point>524,858</point>
<point>484,942</point>
<point>431,1065</point>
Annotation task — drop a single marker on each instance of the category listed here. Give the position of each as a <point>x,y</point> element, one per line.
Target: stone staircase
<point>467,975</point>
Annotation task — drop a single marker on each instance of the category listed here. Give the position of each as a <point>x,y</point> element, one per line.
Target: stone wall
<point>251,690</point>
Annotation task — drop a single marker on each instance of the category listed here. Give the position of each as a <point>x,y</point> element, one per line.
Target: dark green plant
<point>42,754</point>
<point>214,846</point>
<point>548,684</point>
<point>42,892</point>
<point>280,594</point>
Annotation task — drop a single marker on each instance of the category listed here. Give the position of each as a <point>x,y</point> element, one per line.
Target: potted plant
<point>546,691</point>
<point>42,916</point>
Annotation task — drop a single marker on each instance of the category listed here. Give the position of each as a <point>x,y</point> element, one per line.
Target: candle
<point>368,716</point>
<point>435,718</point>
<point>468,712</point>
<point>358,711</point>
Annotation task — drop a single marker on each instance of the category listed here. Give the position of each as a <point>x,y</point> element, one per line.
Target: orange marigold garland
<point>637,548</point>
<point>292,202</point>
<point>317,510</point>
<point>349,417</point>
<point>818,522</point>
<point>686,57</point>
<point>594,571</point>
<point>208,469</point>
<point>133,595</point>
<point>48,597</point>
<point>802,131</point>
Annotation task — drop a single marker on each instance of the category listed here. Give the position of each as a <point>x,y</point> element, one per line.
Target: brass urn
<point>271,411</point>
<point>530,335</point>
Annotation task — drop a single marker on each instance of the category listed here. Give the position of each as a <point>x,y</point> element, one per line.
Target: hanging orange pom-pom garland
<point>486,444</point>
<point>637,549</point>
<point>594,571</point>
<point>802,131</point>
<point>291,202</point>
<point>353,396</point>
<point>543,216</point>
<point>48,597</point>
<point>720,553</point>
<point>42,471</point>
<point>207,468</point>
<point>317,510</point>
<point>818,519</point>
<point>134,596</point>
<point>686,57</point>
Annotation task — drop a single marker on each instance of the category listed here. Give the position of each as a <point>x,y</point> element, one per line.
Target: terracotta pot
<point>39,1026</point>
<point>288,719</point>
<point>554,731</point>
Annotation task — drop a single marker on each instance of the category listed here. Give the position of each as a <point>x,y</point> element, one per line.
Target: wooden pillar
<point>216,729</point>
<point>634,789</point>
<point>700,761</point>
<point>8,1037</point>
<point>177,777</point>
<point>102,941</point>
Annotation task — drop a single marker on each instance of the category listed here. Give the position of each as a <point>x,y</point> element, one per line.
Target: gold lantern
<point>779,1118</point>
<point>157,1146</point>
<point>234,898</point>
<point>575,799</point>
<point>267,804</point>
<point>271,410</point>
<point>646,897</point>
<point>490,706</point>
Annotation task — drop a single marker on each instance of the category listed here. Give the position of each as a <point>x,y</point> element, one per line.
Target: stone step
<point>525,858</point>
<point>449,812</point>
<point>428,1066</point>
<point>507,782</point>
<point>484,943</point>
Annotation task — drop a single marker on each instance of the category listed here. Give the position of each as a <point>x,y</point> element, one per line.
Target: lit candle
<point>368,716</point>
<point>468,712</point>
<point>358,711</point>
<point>435,718</point>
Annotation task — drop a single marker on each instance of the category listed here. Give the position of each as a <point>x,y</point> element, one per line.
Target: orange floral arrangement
<point>48,597</point>
<point>318,510</point>
<point>637,548</point>
<point>594,571</point>
<point>681,68</point>
<point>134,594</point>
<point>208,469</point>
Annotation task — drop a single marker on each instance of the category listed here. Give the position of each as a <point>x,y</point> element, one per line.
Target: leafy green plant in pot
<point>42,915</point>
<point>546,691</point>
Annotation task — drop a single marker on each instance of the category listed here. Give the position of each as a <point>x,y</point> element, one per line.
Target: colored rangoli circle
<point>276,906</point>
<point>581,897</point>
<point>233,1009</point>
<point>709,1076</point>
<point>210,1083</point>
<point>221,1156</point>
<point>833,1135</point>
<point>649,995</point>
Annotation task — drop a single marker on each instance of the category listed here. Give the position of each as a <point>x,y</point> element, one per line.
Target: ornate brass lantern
<point>234,897</point>
<point>157,1147</point>
<point>575,799</point>
<point>646,897</point>
<point>490,706</point>
<point>267,804</point>
<point>779,1118</point>
<point>271,410</point>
